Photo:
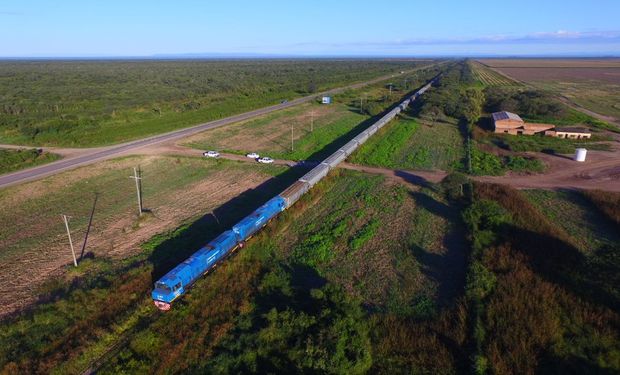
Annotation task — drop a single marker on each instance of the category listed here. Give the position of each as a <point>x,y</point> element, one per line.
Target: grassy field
<point>174,189</point>
<point>271,135</point>
<point>316,129</point>
<point>318,269</point>
<point>88,103</point>
<point>588,230</point>
<point>596,96</point>
<point>13,160</point>
<point>323,247</point>
<point>413,143</point>
<point>485,163</point>
<point>526,264</point>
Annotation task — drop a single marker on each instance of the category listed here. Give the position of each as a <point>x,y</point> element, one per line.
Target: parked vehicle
<point>284,101</point>
<point>265,160</point>
<point>211,154</point>
<point>253,155</point>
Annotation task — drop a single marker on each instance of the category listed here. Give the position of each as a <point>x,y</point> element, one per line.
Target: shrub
<point>484,163</point>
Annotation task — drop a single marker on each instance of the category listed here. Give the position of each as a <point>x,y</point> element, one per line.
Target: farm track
<point>97,154</point>
<point>601,171</point>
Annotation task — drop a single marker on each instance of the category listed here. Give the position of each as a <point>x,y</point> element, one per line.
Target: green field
<point>540,143</point>
<point>13,160</point>
<point>317,130</point>
<point>488,164</point>
<point>412,143</point>
<point>596,96</point>
<point>271,135</point>
<point>311,275</point>
<point>89,103</point>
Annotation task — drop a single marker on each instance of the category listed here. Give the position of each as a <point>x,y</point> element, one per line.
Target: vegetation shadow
<point>563,264</point>
<point>447,269</point>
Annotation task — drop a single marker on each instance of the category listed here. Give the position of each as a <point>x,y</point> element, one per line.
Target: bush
<point>484,163</point>
<point>521,164</point>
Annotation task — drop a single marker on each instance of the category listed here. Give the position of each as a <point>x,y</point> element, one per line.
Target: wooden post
<point>70,241</point>
<point>138,184</point>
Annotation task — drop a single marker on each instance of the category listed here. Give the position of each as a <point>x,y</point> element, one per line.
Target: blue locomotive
<point>176,282</point>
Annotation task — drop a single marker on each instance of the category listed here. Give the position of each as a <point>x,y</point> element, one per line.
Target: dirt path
<point>601,171</point>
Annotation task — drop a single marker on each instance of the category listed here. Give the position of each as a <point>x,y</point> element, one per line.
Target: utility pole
<point>138,185</point>
<point>64,217</point>
<point>390,90</point>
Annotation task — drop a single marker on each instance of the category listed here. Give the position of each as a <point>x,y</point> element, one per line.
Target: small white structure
<point>327,100</point>
<point>580,154</point>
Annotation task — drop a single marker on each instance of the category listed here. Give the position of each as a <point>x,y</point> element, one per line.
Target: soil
<point>118,236</point>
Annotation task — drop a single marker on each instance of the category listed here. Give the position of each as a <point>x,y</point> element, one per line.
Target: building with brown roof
<point>511,123</point>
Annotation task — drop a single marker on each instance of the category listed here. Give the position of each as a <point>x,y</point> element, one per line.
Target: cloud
<point>554,37</point>
<point>7,13</point>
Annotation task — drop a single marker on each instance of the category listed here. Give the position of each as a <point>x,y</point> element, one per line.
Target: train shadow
<point>188,239</point>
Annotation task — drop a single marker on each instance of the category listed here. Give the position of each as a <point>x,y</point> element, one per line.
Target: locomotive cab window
<point>177,287</point>
<point>162,286</point>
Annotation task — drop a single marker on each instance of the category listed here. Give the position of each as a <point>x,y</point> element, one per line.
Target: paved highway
<point>98,154</point>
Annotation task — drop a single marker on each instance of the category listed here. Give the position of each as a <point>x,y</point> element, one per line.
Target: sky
<point>145,28</point>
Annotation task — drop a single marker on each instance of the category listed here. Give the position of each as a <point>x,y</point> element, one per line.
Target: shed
<point>326,100</point>
<point>504,122</point>
<point>572,133</point>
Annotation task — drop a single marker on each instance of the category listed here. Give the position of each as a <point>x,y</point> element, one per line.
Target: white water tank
<point>580,154</point>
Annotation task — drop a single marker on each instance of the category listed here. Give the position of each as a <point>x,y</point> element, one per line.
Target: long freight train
<point>176,282</point>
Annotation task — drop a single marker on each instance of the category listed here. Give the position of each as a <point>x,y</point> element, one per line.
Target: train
<point>177,281</point>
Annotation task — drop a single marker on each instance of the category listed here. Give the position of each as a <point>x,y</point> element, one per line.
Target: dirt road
<point>97,154</point>
<point>601,170</point>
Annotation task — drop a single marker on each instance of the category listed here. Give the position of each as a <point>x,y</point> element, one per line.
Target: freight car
<point>176,282</point>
